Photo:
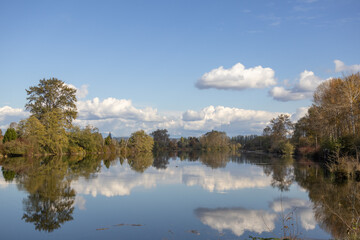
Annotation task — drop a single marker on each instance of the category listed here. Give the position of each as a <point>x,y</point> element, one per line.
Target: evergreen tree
<point>10,135</point>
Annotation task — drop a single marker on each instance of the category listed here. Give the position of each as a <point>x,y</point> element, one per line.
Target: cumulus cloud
<point>114,108</point>
<point>300,112</point>
<point>341,67</point>
<point>303,89</point>
<point>121,180</point>
<point>81,92</point>
<point>120,116</point>
<point>238,220</point>
<point>301,207</point>
<point>237,78</point>
<point>9,114</point>
<point>284,95</point>
<point>221,117</point>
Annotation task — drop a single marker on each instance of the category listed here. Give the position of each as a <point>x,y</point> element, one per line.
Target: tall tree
<point>280,127</point>
<point>161,139</point>
<point>49,95</point>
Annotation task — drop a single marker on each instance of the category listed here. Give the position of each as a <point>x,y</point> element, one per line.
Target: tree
<point>277,134</point>
<point>215,140</point>
<point>281,127</point>
<point>10,135</point>
<point>33,131</point>
<point>55,134</point>
<point>161,139</point>
<point>141,142</point>
<point>108,139</point>
<point>49,95</point>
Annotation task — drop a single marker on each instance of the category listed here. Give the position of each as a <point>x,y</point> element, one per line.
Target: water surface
<point>213,196</point>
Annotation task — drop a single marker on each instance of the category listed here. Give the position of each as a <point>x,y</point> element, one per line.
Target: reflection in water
<point>55,186</point>
<point>336,206</point>
<point>120,180</point>
<point>215,159</point>
<point>140,162</point>
<point>48,212</point>
<point>301,207</point>
<point>282,172</point>
<point>238,220</point>
<point>8,175</point>
<point>3,182</point>
<point>50,200</point>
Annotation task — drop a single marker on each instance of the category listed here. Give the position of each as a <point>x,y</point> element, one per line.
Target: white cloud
<point>308,82</point>
<point>9,114</point>
<point>81,92</point>
<point>284,95</point>
<point>121,117</point>
<point>300,112</point>
<point>237,78</point>
<point>114,108</point>
<point>300,207</point>
<point>238,220</point>
<point>303,89</point>
<point>341,67</point>
<point>223,117</point>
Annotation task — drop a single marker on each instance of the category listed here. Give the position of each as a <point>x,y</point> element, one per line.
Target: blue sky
<point>188,66</point>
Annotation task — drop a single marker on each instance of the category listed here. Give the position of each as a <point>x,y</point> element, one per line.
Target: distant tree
<point>108,139</point>
<point>88,138</point>
<point>10,135</point>
<point>276,136</point>
<point>49,95</point>
<point>280,127</point>
<point>161,139</point>
<point>140,142</point>
<point>215,140</point>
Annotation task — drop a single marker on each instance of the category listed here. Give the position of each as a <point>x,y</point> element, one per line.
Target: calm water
<point>208,197</point>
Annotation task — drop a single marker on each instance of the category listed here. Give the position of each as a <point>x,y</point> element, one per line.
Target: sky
<point>186,66</point>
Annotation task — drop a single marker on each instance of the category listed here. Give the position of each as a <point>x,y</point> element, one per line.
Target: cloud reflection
<point>238,220</point>
<point>303,209</point>
<point>121,180</point>
<point>3,183</point>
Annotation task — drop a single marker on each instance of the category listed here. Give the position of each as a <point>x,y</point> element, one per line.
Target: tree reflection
<point>46,212</point>
<point>336,205</point>
<point>50,202</point>
<point>140,162</point>
<point>161,160</point>
<point>215,159</point>
<point>8,175</point>
<point>282,172</point>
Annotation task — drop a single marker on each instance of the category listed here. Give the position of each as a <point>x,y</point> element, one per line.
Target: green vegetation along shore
<point>330,131</point>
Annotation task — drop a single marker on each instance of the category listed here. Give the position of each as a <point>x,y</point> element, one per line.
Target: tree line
<point>331,126</point>
<point>50,130</point>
